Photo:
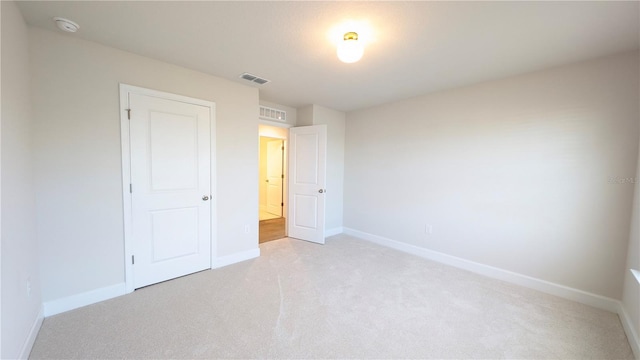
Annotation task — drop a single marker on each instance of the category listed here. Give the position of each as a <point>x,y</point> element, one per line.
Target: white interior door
<point>307,181</point>
<point>170,146</point>
<point>275,176</point>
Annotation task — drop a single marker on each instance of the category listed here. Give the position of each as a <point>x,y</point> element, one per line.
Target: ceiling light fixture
<point>350,49</point>
<point>66,24</point>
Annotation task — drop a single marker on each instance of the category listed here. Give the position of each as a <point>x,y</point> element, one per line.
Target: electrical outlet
<point>247,229</point>
<point>428,229</point>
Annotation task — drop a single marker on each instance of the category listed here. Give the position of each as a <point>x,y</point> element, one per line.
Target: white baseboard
<point>235,258</point>
<point>58,306</point>
<point>632,334</point>
<point>33,333</point>
<point>334,231</point>
<point>597,301</point>
<point>584,297</point>
<point>83,299</point>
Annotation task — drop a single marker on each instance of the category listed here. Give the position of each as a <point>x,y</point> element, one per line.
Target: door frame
<point>125,90</point>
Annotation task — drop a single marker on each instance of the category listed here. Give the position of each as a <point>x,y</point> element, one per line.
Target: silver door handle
<point>205,198</point>
<point>322,191</point>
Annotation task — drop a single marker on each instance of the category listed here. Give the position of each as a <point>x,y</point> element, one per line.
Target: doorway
<point>272,174</point>
<point>272,183</point>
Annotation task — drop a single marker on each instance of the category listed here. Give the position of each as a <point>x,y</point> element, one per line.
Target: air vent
<point>268,113</point>
<point>253,78</point>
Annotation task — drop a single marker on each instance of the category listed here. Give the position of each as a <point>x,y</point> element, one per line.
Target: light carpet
<point>346,299</point>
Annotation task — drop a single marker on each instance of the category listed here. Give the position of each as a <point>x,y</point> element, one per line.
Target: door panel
<point>170,176</point>
<point>307,169</point>
<point>306,211</point>
<point>169,225</point>
<point>307,159</point>
<point>173,151</point>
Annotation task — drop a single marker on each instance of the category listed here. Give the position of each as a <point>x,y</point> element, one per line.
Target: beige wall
<point>305,115</point>
<point>514,173</point>
<point>19,243</point>
<point>631,294</point>
<point>77,157</point>
<point>335,121</point>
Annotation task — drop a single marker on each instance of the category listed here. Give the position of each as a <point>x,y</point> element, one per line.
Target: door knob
<point>205,198</point>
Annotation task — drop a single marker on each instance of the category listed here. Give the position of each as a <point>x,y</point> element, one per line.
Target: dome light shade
<point>350,49</point>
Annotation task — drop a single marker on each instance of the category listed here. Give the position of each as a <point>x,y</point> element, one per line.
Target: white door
<point>275,177</point>
<point>307,179</point>
<point>170,188</point>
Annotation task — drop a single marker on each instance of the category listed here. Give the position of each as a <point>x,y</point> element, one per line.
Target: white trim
<point>334,231</point>
<point>83,299</point>
<point>236,258</point>
<point>213,185</point>
<point>627,325</point>
<point>636,274</point>
<point>126,179</point>
<point>125,90</point>
<point>33,333</point>
<point>595,300</point>
<point>274,123</point>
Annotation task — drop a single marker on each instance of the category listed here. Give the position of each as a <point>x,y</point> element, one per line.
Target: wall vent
<point>255,79</point>
<point>268,113</point>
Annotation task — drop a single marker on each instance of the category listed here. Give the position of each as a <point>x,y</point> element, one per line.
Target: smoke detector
<point>66,25</point>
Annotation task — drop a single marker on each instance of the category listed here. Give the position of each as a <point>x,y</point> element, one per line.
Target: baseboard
<point>91,297</point>
<point>632,334</point>
<point>33,333</point>
<point>584,297</point>
<point>235,258</point>
<point>83,299</point>
<point>334,231</point>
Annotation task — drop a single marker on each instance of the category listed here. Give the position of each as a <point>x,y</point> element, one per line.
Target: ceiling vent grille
<point>255,79</point>
<point>268,113</point>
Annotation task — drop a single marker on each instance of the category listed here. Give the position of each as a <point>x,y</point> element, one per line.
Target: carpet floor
<point>346,299</point>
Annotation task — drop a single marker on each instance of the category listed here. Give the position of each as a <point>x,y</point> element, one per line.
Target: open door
<point>307,181</point>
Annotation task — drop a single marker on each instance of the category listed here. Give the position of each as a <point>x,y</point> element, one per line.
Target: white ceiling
<point>413,47</point>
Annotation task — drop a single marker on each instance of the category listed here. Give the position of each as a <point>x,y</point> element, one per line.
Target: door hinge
<point>282,176</point>
<point>130,188</point>
<point>281,204</point>
<point>128,114</point>
<point>133,260</point>
<point>282,147</point>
